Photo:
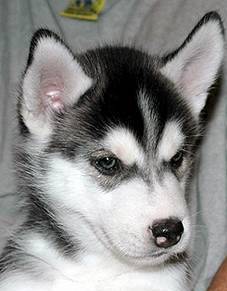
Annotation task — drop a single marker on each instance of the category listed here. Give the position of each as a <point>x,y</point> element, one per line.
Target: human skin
<point>219,282</point>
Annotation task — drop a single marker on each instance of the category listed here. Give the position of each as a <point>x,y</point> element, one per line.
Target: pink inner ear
<point>52,91</point>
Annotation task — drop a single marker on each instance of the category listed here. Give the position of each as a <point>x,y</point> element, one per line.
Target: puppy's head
<point>110,136</point>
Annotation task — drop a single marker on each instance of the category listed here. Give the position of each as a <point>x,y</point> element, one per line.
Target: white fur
<point>171,141</point>
<point>91,273</point>
<point>154,279</point>
<point>124,213</point>
<point>53,81</point>
<point>124,145</point>
<point>195,67</point>
<point>123,260</point>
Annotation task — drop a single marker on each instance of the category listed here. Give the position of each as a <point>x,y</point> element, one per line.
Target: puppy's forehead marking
<point>125,146</point>
<point>171,141</point>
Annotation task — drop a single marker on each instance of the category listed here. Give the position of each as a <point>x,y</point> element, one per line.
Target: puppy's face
<point>115,130</point>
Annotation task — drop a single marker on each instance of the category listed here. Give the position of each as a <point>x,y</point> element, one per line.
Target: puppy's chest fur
<point>93,272</point>
<point>107,275</point>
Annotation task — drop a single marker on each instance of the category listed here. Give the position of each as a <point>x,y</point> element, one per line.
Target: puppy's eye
<point>107,165</point>
<point>177,160</point>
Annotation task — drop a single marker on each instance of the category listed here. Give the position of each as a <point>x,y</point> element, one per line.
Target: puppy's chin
<point>153,259</point>
<point>148,261</point>
<point>156,261</point>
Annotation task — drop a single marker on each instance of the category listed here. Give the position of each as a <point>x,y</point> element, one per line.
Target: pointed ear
<point>194,66</point>
<point>52,81</point>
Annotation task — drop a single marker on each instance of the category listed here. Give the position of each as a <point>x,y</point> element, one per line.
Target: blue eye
<point>177,160</point>
<point>107,165</point>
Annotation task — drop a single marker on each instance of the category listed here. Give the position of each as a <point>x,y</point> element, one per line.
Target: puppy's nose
<point>167,232</point>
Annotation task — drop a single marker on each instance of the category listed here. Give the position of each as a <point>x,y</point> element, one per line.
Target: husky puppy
<point>106,144</point>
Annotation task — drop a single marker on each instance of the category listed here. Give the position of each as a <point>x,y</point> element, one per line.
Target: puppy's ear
<point>194,66</point>
<point>52,81</point>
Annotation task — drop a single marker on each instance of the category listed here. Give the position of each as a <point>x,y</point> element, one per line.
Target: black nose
<point>167,232</point>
